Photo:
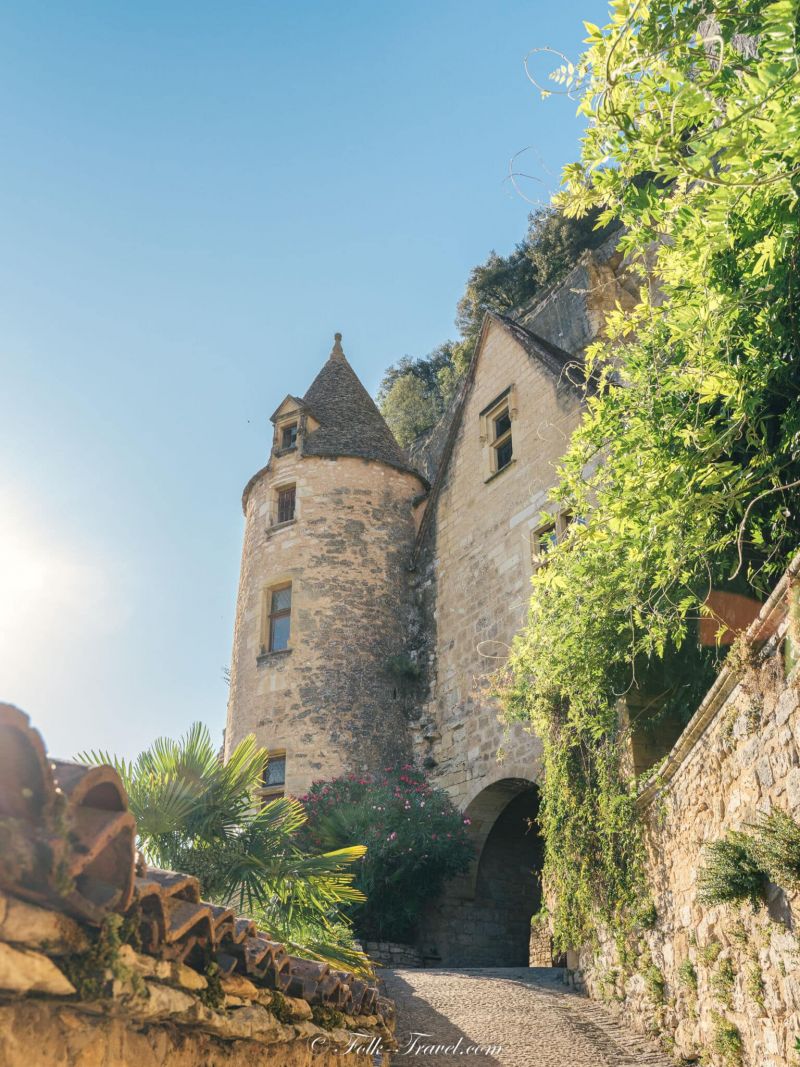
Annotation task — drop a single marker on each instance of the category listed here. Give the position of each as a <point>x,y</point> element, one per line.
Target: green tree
<point>694,402</point>
<point>415,392</point>
<point>410,407</point>
<point>499,284</point>
<point>201,816</point>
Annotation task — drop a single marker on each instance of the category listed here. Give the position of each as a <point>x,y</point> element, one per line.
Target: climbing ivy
<point>682,466</point>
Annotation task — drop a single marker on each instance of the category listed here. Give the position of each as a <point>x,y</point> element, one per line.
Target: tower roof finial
<point>337,351</point>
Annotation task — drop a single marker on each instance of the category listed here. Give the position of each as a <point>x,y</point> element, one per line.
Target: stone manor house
<point>380,588</point>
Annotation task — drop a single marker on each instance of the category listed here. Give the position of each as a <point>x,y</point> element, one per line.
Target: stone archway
<point>482,918</point>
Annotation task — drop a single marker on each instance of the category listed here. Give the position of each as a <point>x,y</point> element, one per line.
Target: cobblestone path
<point>535,1019</point>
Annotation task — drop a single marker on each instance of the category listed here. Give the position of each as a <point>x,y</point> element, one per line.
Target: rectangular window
<point>289,436</point>
<point>545,538</point>
<point>280,614</point>
<point>543,541</point>
<point>286,499</point>
<point>501,439</point>
<point>274,780</point>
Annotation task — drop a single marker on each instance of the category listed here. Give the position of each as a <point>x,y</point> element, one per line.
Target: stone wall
<point>331,701</point>
<point>393,954</point>
<point>475,572</point>
<point>44,1033</point>
<point>705,971</point>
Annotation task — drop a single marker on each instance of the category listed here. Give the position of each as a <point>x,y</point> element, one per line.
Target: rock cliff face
<point>709,978</point>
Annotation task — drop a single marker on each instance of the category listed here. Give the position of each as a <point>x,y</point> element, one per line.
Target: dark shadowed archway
<point>482,918</point>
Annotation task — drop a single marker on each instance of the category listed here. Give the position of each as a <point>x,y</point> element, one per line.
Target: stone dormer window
<point>273,782</point>
<point>285,503</point>
<point>496,432</point>
<point>289,436</point>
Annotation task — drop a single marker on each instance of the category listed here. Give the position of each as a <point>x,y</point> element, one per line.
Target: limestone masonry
<point>738,758</point>
<point>380,589</point>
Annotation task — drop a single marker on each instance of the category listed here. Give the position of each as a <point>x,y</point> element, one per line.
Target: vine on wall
<point>685,458</point>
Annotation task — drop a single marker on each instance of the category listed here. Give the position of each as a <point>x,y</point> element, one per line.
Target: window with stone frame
<point>273,781</point>
<point>502,445</point>
<point>279,618</point>
<point>285,503</point>
<point>496,421</point>
<point>545,537</point>
<point>289,435</point>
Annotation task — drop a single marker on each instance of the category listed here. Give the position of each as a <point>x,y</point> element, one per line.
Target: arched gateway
<point>482,919</point>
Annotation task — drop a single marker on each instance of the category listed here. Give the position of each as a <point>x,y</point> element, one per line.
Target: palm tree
<point>204,817</point>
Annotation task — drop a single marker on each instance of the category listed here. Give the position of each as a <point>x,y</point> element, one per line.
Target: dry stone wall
<point>726,977</point>
<point>158,1026</point>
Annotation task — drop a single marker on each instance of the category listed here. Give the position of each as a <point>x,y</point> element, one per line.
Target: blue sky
<point>193,198</point>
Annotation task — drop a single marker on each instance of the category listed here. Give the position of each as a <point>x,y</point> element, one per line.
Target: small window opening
<point>289,436</point>
<point>501,442</point>
<point>286,501</point>
<point>545,538</point>
<point>280,614</point>
<point>274,779</point>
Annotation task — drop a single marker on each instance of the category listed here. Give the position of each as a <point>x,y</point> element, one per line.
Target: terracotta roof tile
<point>65,819</point>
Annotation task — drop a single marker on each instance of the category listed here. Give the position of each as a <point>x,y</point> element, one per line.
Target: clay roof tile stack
<point>67,841</point>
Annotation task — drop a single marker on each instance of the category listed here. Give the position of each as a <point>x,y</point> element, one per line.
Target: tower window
<point>286,501</point>
<point>280,615</point>
<point>501,438</point>
<point>273,783</point>
<point>289,436</point>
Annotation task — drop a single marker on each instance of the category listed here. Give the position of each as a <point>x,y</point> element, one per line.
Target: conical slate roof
<point>349,422</point>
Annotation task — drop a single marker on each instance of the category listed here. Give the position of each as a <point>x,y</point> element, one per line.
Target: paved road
<point>534,1018</point>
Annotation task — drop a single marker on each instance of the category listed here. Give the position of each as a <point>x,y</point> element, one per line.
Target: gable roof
<point>349,421</point>
<point>564,367</point>
<point>290,401</point>
<point>558,361</point>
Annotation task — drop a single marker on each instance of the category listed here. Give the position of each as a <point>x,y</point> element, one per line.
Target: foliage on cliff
<point>416,839</point>
<point>682,467</point>
<point>203,817</point>
<point>415,392</point>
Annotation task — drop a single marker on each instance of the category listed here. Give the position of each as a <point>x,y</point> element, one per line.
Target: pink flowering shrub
<point>416,839</point>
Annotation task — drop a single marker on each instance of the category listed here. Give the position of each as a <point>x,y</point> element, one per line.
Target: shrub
<point>731,874</point>
<point>709,952</point>
<point>646,916</point>
<point>687,975</point>
<point>416,839</point>
<point>727,1041</point>
<point>723,982</point>
<point>776,847</point>
<point>655,983</point>
<point>754,984</point>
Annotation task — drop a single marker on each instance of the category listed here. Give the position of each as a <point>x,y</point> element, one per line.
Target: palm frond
<point>197,814</point>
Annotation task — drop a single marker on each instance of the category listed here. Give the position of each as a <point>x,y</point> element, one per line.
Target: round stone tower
<point>324,590</point>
